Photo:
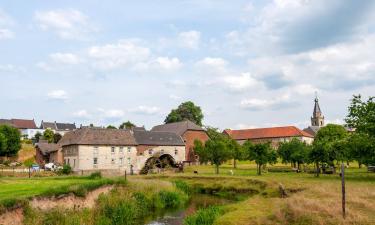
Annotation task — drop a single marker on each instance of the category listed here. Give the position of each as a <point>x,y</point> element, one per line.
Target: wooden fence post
<point>343,189</point>
<point>125,174</point>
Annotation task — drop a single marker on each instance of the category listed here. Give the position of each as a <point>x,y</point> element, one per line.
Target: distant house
<point>56,127</point>
<point>27,128</point>
<point>159,146</point>
<point>189,131</point>
<point>48,153</point>
<point>274,135</point>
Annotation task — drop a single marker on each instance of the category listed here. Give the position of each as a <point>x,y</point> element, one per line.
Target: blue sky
<point>246,63</point>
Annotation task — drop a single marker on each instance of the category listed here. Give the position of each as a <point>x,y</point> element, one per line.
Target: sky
<point>245,63</point>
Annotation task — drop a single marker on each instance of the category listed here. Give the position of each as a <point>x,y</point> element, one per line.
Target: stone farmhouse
<point>275,135</point>
<point>91,149</point>
<point>190,132</point>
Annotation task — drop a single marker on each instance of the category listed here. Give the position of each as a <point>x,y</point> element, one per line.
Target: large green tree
<point>126,125</point>
<point>11,139</point>
<point>185,111</point>
<point>294,152</point>
<point>361,115</point>
<point>217,152</point>
<point>361,148</point>
<point>261,153</point>
<point>48,135</point>
<point>236,151</point>
<point>325,148</point>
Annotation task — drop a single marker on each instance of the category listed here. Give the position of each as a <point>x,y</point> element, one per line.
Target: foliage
<point>29,162</point>
<point>236,151</point>
<point>361,148</point>
<point>294,151</point>
<point>11,140</point>
<point>215,151</point>
<point>56,137</point>
<point>126,125</point>
<point>95,175</point>
<point>111,127</point>
<point>261,153</point>
<point>185,111</point>
<point>67,169</point>
<point>362,115</point>
<point>48,135</point>
<point>204,216</point>
<point>328,146</point>
<point>37,137</point>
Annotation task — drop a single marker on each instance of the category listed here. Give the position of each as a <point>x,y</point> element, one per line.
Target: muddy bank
<point>68,201</point>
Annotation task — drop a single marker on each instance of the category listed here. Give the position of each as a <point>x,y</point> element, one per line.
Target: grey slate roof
<point>178,128</point>
<point>66,126</point>
<point>48,125</point>
<point>92,136</point>
<point>317,110</point>
<point>312,130</point>
<point>158,138</point>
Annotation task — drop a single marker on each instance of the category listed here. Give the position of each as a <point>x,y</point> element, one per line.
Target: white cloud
<point>67,24</point>
<point>124,53</point>
<point>6,34</point>
<point>245,126</point>
<point>65,58</point>
<point>57,95</point>
<point>83,114</point>
<point>174,97</point>
<point>111,113</point>
<point>267,104</point>
<point>148,110</point>
<point>11,68</point>
<point>241,82</point>
<point>168,63</point>
<point>189,39</point>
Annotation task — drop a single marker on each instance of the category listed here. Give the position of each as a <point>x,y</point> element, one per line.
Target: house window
<point>176,151</point>
<point>113,150</point>
<point>113,161</point>
<point>150,151</point>
<point>96,150</point>
<point>129,161</point>
<point>74,162</point>
<point>121,150</point>
<point>129,149</point>
<point>121,161</point>
<point>95,161</point>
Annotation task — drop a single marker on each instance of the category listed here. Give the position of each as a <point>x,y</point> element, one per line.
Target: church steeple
<point>317,119</point>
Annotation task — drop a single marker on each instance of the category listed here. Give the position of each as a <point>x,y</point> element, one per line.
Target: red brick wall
<point>189,137</point>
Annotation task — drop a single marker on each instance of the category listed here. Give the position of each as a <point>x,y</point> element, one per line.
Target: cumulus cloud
<point>240,82</point>
<point>124,53</point>
<point>65,58</point>
<point>82,114</point>
<point>257,104</point>
<point>67,24</point>
<point>111,114</point>
<point>146,110</point>
<point>57,95</point>
<point>5,22</point>
<point>6,34</point>
<point>189,39</point>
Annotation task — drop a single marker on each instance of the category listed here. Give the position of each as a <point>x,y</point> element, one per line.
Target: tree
<point>56,137</point>
<point>37,136</point>
<point>324,149</point>
<point>3,143</point>
<point>236,151</point>
<point>217,152</point>
<point>48,135</point>
<point>200,151</point>
<point>111,127</point>
<point>261,153</point>
<point>294,151</point>
<point>185,111</point>
<point>361,148</point>
<point>11,139</point>
<point>362,115</point>
<point>126,125</point>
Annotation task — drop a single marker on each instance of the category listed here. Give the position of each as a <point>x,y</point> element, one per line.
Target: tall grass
<point>205,216</point>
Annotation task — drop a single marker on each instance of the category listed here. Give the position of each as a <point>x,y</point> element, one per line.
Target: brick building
<point>189,131</point>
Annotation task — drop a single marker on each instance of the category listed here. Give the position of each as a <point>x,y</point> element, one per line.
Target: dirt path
<point>15,217</point>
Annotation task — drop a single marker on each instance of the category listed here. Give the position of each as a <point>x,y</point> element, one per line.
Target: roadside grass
<point>15,191</point>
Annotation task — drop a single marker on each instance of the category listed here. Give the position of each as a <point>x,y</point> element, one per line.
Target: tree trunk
<point>317,169</point>
<point>359,165</point>
<point>234,163</point>
<point>299,166</point>
<point>260,169</point>
<point>217,169</point>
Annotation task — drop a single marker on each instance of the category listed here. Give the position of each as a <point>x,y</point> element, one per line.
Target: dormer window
<point>113,150</point>
<point>150,151</point>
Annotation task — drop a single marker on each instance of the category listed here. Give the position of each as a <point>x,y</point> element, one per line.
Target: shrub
<point>169,199</point>
<point>66,169</point>
<point>205,216</point>
<point>183,186</point>
<point>95,175</point>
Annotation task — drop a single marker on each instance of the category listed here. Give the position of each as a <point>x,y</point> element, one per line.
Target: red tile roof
<point>23,124</point>
<point>270,132</point>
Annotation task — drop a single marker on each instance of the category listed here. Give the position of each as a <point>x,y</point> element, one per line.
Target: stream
<point>176,216</point>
